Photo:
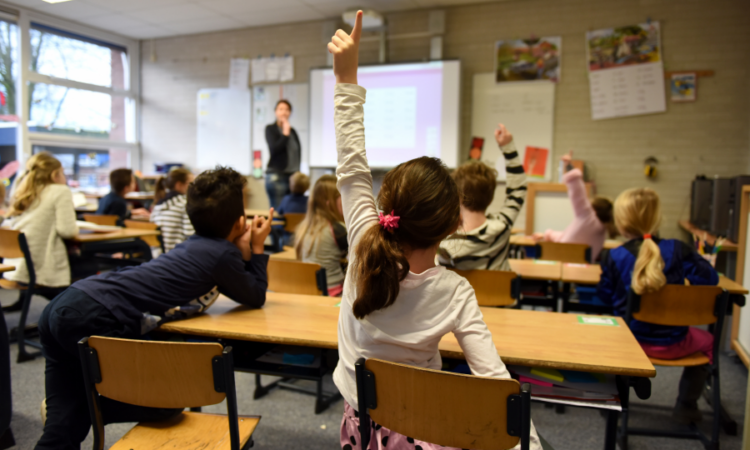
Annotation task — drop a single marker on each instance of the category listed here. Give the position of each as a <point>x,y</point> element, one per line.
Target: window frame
<point>25,139</point>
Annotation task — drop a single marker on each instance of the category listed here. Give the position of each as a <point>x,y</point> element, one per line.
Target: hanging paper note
<point>272,70</point>
<point>259,70</point>
<point>286,72</point>
<point>239,73</point>
<point>535,161</point>
<point>626,71</point>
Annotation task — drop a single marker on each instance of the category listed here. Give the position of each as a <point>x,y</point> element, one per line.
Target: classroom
<point>540,242</point>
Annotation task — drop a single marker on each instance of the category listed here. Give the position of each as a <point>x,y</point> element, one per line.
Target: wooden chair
<point>679,305</point>
<point>567,253</point>
<point>443,408</point>
<point>296,277</point>
<point>101,219</point>
<point>13,245</point>
<point>493,287</point>
<point>166,375</point>
<point>6,399</point>
<point>152,241</point>
<point>291,220</point>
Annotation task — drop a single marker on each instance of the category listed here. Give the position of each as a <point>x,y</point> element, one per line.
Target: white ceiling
<point>144,19</point>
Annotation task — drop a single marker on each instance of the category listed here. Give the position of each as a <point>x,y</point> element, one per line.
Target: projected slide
<point>411,111</point>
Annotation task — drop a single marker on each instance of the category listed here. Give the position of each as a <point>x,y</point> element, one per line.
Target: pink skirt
<point>697,340</point>
<point>381,438</point>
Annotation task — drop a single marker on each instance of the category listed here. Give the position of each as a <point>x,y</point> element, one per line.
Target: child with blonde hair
<point>42,208</point>
<point>397,304</point>
<point>321,236</point>
<point>296,202</point>
<point>645,264</point>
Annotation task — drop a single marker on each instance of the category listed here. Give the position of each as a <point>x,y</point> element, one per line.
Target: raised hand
<point>502,135</point>
<point>567,158</point>
<point>242,242</point>
<point>261,228</point>
<point>345,50</point>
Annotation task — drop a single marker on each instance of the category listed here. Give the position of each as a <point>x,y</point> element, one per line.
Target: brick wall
<point>709,136</point>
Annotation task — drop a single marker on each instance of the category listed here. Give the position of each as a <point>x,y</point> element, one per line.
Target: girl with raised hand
<point>397,304</point>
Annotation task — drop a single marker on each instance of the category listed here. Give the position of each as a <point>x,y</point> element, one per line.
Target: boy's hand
<point>345,50</point>
<point>502,135</point>
<point>567,158</point>
<point>242,242</point>
<point>261,228</point>
<point>538,237</point>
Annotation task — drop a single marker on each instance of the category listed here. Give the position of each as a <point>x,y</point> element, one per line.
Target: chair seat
<point>188,431</point>
<point>13,285</point>
<point>696,359</point>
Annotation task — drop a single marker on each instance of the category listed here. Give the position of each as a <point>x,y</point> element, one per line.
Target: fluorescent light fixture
<point>55,1</point>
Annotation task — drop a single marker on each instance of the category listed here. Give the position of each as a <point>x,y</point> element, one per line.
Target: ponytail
<point>379,269</point>
<point>160,190</point>
<point>648,272</point>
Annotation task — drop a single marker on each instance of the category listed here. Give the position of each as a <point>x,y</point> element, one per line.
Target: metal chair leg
<point>23,355</point>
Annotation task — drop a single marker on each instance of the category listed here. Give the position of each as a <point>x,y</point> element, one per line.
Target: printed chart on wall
<point>527,110</point>
<point>264,102</point>
<point>626,71</point>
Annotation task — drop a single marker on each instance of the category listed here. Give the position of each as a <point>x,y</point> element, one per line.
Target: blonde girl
<point>321,236</point>
<point>397,304</point>
<point>42,208</point>
<point>645,264</point>
<point>169,212</point>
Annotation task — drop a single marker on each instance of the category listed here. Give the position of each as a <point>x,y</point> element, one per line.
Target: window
<point>8,71</point>
<point>87,168</point>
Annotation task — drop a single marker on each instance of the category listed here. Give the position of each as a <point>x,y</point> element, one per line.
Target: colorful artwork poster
<point>535,161</point>
<point>528,59</point>
<point>623,46</point>
<point>682,87</point>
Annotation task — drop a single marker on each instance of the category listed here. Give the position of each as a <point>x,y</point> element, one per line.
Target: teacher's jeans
<point>277,186</point>
<point>67,319</point>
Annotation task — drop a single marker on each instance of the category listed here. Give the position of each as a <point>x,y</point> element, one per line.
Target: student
<point>121,182</point>
<point>42,208</point>
<point>296,202</point>
<point>321,237</point>
<point>645,264</point>
<point>169,212</point>
<point>593,219</point>
<point>224,254</point>
<point>483,240</point>
<point>396,303</point>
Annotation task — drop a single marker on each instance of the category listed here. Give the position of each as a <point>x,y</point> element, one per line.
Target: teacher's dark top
<point>284,150</point>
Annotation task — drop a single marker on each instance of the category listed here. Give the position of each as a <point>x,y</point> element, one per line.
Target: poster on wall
<point>528,59</point>
<point>682,87</point>
<point>626,72</point>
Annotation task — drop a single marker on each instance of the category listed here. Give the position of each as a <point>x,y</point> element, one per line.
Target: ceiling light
<point>55,1</point>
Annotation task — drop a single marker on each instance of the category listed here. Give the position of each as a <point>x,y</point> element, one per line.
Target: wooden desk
<point>286,255</point>
<point>261,212</point>
<point>7,268</point>
<point>536,270</point>
<point>125,233</point>
<point>528,241</point>
<point>141,196</point>
<point>527,338</point>
<point>727,246</point>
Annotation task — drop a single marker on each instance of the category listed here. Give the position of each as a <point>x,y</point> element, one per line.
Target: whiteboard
<point>224,129</point>
<point>525,108</point>
<point>743,334</point>
<point>552,211</point>
<point>264,103</point>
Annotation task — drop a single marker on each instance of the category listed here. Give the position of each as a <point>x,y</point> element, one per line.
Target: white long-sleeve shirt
<point>49,220</point>
<point>429,305</point>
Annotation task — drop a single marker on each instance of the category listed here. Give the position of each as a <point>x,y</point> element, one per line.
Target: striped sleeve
<point>515,191</point>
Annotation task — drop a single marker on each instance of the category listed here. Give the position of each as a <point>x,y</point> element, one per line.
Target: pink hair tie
<point>388,221</point>
<point>646,236</point>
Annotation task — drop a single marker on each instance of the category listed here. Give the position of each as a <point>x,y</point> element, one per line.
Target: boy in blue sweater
<point>225,255</point>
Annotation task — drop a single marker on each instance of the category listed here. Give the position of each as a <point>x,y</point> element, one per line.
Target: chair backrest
<point>678,305</point>
<point>152,241</point>
<point>443,408</point>
<point>101,219</point>
<point>292,220</point>
<point>493,287</point>
<point>9,244</point>
<point>157,374</point>
<point>563,252</point>
<point>296,277</point>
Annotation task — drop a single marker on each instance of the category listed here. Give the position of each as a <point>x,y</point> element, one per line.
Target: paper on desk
<point>83,225</point>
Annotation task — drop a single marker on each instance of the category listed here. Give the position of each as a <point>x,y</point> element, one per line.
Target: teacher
<point>285,150</point>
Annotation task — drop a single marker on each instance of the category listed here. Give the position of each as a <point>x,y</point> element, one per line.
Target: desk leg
<point>610,438</point>
<point>566,290</point>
